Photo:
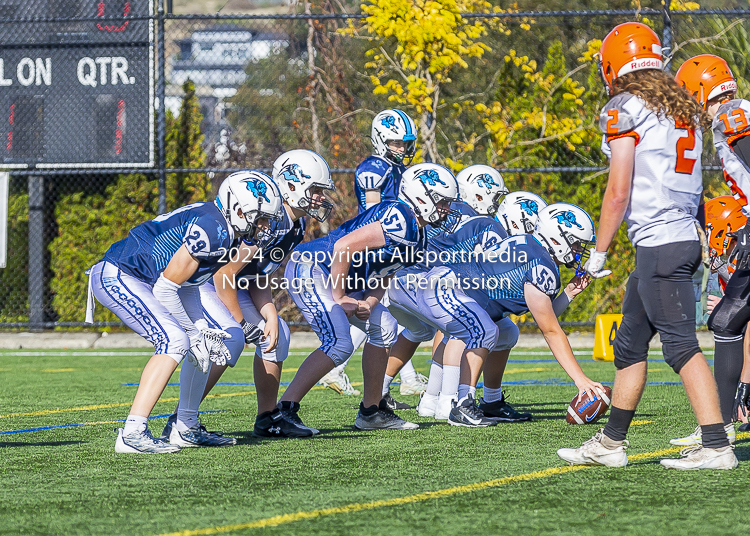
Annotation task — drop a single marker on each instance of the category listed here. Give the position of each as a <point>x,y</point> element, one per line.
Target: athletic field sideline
<point>60,473</point>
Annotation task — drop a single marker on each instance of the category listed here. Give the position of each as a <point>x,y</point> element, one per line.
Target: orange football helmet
<point>723,216</point>
<point>706,77</point>
<point>629,47</point>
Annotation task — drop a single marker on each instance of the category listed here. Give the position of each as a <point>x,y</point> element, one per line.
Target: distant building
<point>217,56</point>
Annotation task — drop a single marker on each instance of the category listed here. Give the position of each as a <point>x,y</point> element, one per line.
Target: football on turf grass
<point>587,411</point>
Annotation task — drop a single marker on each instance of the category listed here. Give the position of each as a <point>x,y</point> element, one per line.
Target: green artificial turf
<point>70,481</point>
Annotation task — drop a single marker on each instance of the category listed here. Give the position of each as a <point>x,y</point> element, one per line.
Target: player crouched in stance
<point>150,281</point>
<point>711,82</point>
<point>470,300</point>
<point>654,140</point>
<point>377,178</point>
<point>239,300</point>
<point>340,279</point>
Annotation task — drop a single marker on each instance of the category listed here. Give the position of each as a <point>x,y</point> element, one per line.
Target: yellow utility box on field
<point>604,336</point>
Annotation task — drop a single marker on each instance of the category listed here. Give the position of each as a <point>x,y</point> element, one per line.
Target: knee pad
<point>424,334</point>
<point>507,334</point>
<point>726,319</point>
<point>383,328</point>
<point>677,353</point>
<point>281,352</point>
<point>176,347</point>
<point>235,343</point>
<point>624,355</point>
<point>488,340</point>
<point>340,351</point>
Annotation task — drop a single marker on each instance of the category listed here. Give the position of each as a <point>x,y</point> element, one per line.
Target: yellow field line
<point>638,423</point>
<point>58,370</point>
<point>519,370</point>
<point>283,519</point>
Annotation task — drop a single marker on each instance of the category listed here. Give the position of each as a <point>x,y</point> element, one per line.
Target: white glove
<point>219,353</point>
<point>207,346</point>
<point>200,348</point>
<point>595,264</point>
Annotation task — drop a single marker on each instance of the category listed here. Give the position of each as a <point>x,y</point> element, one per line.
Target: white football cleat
<point>696,437</point>
<point>339,382</point>
<point>416,386</point>
<point>444,406</point>
<point>592,452</point>
<point>427,405</point>
<point>142,442</point>
<point>698,457</point>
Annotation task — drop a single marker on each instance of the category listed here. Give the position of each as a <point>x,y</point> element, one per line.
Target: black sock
<point>728,359</point>
<point>619,421</point>
<point>372,410</point>
<point>714,436</point>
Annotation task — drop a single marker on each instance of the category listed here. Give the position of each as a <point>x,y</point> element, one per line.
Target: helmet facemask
<point>318,209</point>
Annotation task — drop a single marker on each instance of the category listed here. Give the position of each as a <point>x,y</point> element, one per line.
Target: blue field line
<point>73,425</point>
<point>177,384</point>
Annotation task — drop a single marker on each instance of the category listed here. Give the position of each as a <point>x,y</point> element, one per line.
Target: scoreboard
<point>76,84</point>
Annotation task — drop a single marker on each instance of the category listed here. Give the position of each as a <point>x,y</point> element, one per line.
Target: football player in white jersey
<point>378,178</point>
<point>652,134</point>
<point>711,82</point>
<point>150,280</point>
<point>238,299</point>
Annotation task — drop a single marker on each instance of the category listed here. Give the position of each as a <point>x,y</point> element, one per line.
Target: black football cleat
<point>273,424</point>
<point>501,411</point>
<point>469,415</point>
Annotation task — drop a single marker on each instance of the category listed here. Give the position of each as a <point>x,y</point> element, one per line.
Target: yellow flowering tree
<point>417,44</point>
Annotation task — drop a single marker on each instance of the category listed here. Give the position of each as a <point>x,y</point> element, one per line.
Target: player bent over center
<point>340,279</point>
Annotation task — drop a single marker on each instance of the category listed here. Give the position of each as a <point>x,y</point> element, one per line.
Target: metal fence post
<point>161,128</point>
<point>666,39</point>
<point>36,252</point>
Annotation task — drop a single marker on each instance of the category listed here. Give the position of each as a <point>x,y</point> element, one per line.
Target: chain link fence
<point>114,112</point>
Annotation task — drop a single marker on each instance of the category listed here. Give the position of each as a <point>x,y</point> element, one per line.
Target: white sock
<point>465,390</point>
<point>492,395</point>
<point>192,384</point>
<point>387,384</point>
<point>135,423</point>
<point>451,379</point>
<point>408,374</point>
<point>435,381</point>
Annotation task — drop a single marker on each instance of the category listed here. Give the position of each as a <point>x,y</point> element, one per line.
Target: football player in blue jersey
<point>377,179</point>
<point>150,281</point>
<point>469,295</point>
<point>239,300</point>
<point>340,279</point>
<point>480,189</point>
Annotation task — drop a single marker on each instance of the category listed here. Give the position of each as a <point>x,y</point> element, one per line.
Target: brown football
<point>586,411</point>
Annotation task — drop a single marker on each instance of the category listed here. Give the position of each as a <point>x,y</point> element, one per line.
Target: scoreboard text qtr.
<point>76,93</point>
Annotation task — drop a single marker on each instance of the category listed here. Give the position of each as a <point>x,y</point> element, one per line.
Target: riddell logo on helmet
<point>728,86</point>
<point>646,63</point>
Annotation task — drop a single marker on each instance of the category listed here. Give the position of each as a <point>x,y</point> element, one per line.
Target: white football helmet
<point>566,231</point>
<point>423,186</point>
<point>481,187</point>
<point>519,211</point>
<point>394,125</point>
<point>246,196</point>
<point>297,172</point>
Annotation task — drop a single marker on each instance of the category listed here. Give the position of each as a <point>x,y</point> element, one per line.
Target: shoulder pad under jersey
<point>620,114</point>
<point>732,120</point>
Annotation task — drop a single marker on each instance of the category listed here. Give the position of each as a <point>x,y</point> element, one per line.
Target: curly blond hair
<point>663,96</point>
